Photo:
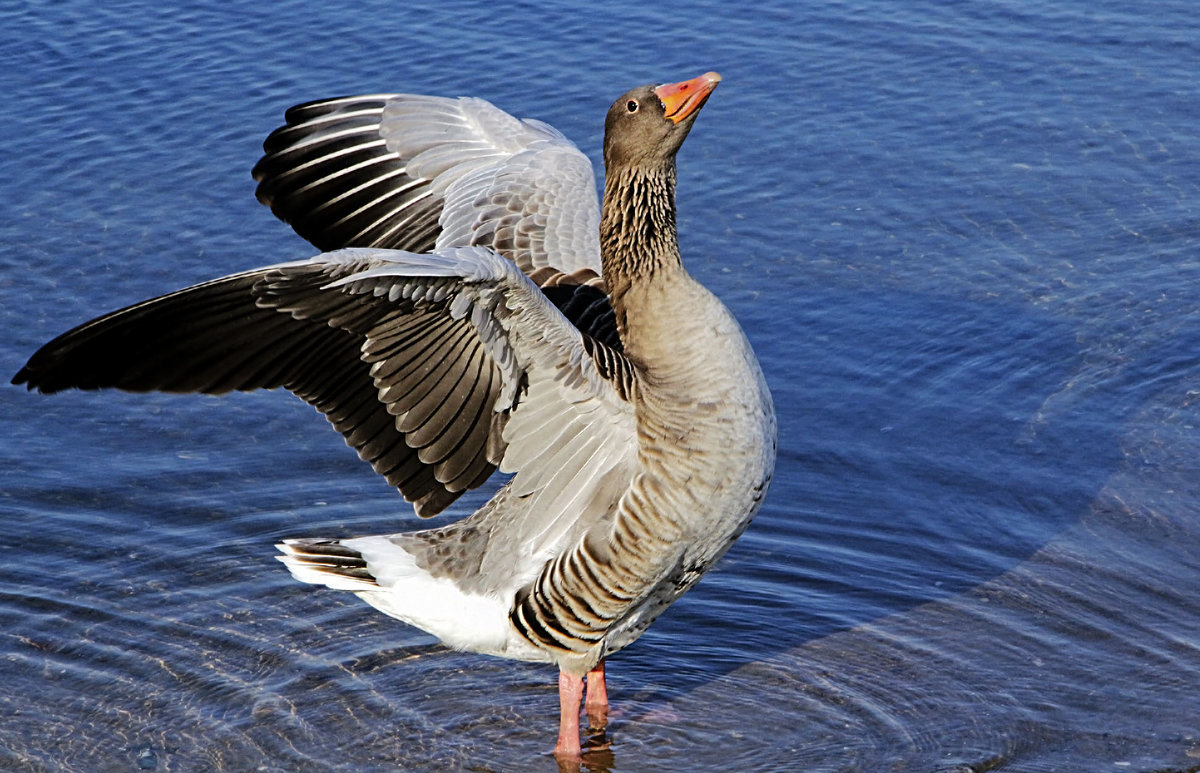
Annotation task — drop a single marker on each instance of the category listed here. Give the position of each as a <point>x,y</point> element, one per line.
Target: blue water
<point>962,237</point>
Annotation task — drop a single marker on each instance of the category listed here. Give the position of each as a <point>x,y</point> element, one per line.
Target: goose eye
<point>631,105</point>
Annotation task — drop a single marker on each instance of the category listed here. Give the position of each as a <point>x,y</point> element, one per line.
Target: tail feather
<point>386,576</point>
<point>327,562</point>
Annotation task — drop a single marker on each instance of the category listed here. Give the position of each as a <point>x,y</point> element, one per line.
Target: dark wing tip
<point>48,371</point>
<point>329,174</point>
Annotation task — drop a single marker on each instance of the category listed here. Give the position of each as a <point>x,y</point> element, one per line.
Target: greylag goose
<point>478,309</point>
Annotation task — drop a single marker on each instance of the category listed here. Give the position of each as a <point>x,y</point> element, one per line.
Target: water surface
<point>962,238</point>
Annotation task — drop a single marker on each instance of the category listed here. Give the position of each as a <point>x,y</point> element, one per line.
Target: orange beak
<point>682,99</point>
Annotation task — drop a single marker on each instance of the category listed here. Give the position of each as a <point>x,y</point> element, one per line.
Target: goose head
<point>646,126</point>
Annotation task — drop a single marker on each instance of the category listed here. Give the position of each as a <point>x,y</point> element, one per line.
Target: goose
<point>474,308</point>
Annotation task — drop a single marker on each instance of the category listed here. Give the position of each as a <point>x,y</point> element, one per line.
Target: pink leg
<point>570,692</point>
<point>597,697</point>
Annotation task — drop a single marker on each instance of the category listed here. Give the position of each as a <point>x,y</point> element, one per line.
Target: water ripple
<point>961,237</point>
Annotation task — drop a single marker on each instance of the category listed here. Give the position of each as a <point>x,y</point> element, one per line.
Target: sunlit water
<point>962,238</point>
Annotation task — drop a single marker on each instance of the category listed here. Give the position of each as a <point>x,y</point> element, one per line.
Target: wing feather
<point>277,327</point>
<point>414,172</point>
<point>460,324</point>
<point>569,433</point>
<point>420,173</point>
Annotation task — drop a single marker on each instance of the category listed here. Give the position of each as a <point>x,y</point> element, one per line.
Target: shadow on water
<point>1086,651</point>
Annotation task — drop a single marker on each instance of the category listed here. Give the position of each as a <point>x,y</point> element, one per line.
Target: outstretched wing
<point>420,173</point>
<point>418,360</point>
